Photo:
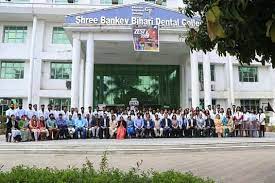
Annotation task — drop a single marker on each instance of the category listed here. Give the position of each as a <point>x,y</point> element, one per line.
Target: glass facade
<point>248,74</point>
<point>250,104</point>
<point>12,70</point>
<point>61,70</point>
<point>62,102</point>
<point>59,36</point>
<point>150,84</point>
<point>15,34</point>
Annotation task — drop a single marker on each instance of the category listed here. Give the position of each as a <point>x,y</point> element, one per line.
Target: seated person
<point>148,126</point>
<point>52,127</point>
<point>121,129</point>
<point>175,127</point>
<point>62,126</point>
<point>139,124</point>
<point>192,126</point>
<point>34,127</point>
<point>104,127</point>
<point>24,129</point>
<point>200,126</point>
<point>166,124</point>
<point>79,127</point>
<point>42,128</point>
<point>13,130</point>
<point>157,129</point>
<point>130,127</point>
<point>71,126</point>
<point>209,127</point>
<point>113,126</point>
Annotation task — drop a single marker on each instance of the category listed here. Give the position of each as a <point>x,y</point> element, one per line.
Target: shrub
<point>87,174</point>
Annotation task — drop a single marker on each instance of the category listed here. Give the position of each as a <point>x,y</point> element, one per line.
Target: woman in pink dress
<point>121,129</point>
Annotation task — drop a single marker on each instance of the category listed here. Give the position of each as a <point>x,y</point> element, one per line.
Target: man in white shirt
<point>30,112</point>
<point>11,111</point>
<point>42,112</point>
<point>261,120</point>
<point>20,112</point>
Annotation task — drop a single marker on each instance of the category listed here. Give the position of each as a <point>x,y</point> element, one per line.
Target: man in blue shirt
<point>71,126</point>
<point>148,126</point>
<point>139,124</point>
<point>80,127</point>
<point>62,126</point>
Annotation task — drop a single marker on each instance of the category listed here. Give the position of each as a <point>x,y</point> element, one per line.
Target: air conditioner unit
<point>68,85</point>
<point>71,1</point>
<point>212,87</point>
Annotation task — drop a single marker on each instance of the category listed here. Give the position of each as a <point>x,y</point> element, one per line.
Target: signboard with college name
<point>146,38</point>
<point>145,14</point>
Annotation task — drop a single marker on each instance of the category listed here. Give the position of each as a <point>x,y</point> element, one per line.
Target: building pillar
<point>75,70</point>
<point>231,98</point>
<point>81,84</point>
<point>89,72</point>
<point>194,78</point>
<point>207,80</point>
<point>32,55</point>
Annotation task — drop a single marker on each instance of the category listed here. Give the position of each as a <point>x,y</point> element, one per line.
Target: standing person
<point>113,126</point>
<point>30,112</point>
<point>34,127</point>
<point>121,129</point>
<point>158,130</point>
<point>42,112</point>
<point>79,127</point>
<point>20,112</point>
<point>148,126</point>
<point>11,111</point>
<point>218,126</point>
<point>245,125</point>
<point>62,126</point>
<point>52,127</point>
<point>253,124</point>
<point>104,127</point>
<point>166,124</point>
<point>261,121</point>
<point>24,129</point>
<point>42,128</point>
<point>35,111</point>
<point>13,130</point>
<point>139,124</point>
<point>130,127</point>
<point>71,126</point>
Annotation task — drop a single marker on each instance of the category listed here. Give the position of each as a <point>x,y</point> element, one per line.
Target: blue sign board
<point>134,14</point>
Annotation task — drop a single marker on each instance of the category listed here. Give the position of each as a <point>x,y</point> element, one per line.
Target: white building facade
<point>44,60</point>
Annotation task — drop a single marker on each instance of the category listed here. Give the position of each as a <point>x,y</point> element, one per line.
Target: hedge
<point>88,174</point>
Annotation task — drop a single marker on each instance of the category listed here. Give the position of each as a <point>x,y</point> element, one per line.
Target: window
<point>248,74</point>
<point>61,70</point>
<point>6,102</point>
<point>65,1</point>
<point>250,104</point>
<point>59,36</point>
<point>15,34</point>
<point>62,102</point>
<point>212,72</point>
<point>12,70</point>
<point>108,2</point>
<point>159,2</point>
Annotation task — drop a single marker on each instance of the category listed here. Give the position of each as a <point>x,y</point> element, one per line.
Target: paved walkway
<point>225,160</point>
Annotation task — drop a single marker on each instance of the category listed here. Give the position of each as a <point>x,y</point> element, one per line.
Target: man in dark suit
<point>209,127</point>
<point>148,126</point>
<point>166,124</point>
<point>104,126</point>
<point>192,126</point>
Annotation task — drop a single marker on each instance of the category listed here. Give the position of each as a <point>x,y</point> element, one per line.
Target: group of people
<point>56,123</point>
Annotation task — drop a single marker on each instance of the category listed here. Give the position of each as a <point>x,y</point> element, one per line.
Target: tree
<point>242,28</point>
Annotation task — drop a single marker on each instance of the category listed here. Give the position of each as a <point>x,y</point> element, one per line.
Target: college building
<point>78,53</point>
